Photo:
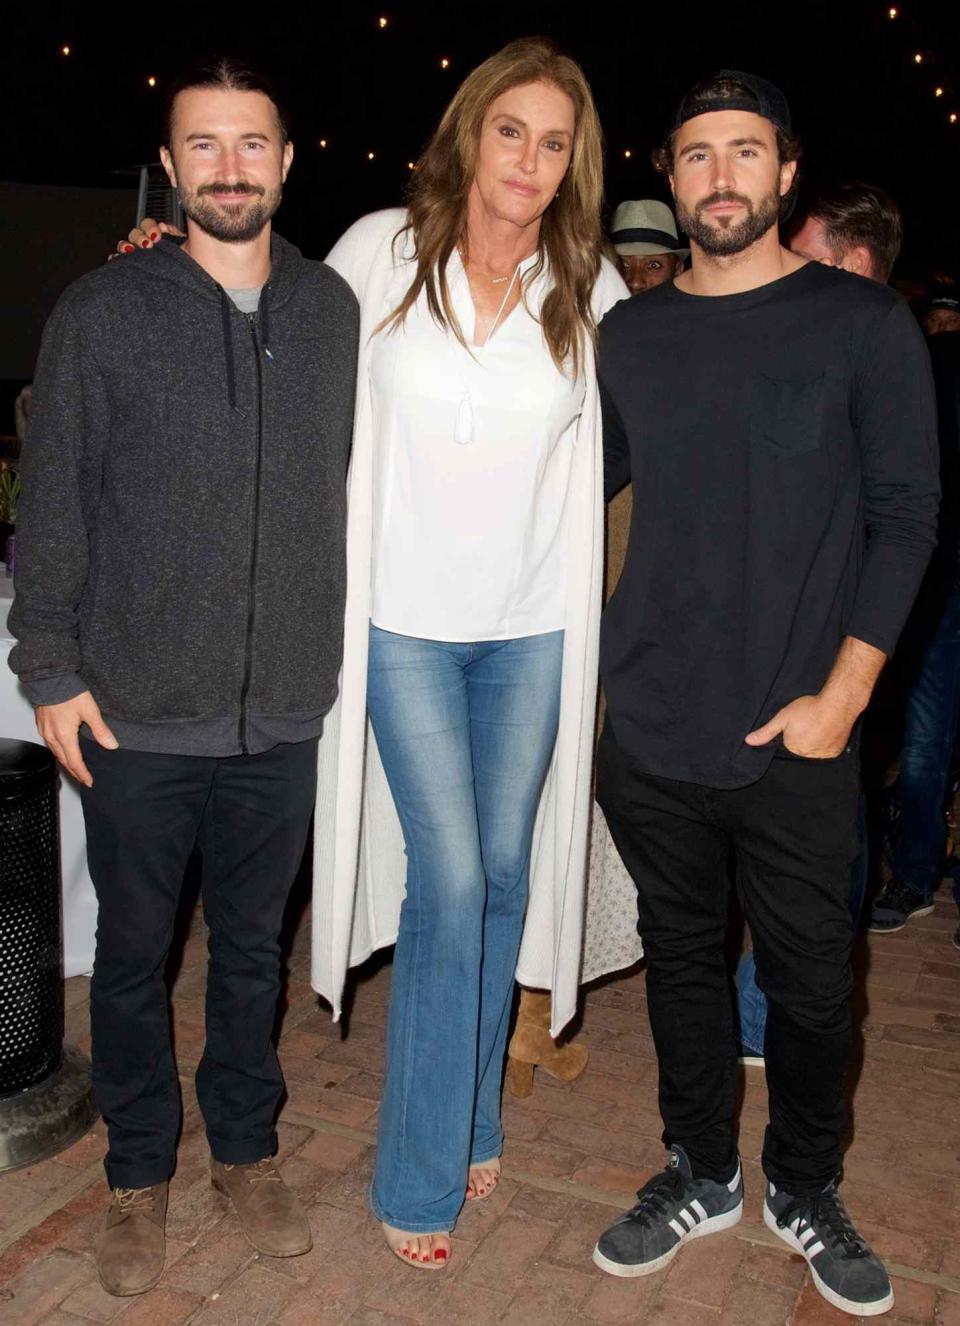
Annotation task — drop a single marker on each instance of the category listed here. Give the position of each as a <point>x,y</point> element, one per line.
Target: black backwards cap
<point>755,94</point>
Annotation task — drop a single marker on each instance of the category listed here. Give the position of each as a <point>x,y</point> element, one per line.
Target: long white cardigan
<point>359,867</point>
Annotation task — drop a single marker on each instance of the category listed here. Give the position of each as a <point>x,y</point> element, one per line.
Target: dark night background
<point>862,105</point>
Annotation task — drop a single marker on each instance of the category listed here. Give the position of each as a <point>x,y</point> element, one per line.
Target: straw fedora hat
<point>645,226</point>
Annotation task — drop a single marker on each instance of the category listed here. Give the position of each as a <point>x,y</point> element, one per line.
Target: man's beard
<point>232,223</point>
<point>721,238</point>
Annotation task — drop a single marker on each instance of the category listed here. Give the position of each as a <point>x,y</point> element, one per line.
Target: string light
<point>444,63</point>
<point>151,81</point>
<point>382,22</point>
<point>370,156</point>
<point>64,50</point>
<point>409,165</point>
<point>919,58</point>
<point>321,142</point>
<point>628,154</point>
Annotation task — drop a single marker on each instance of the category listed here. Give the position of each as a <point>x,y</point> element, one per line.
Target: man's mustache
<point>722,197</point>
<point>241,189</point>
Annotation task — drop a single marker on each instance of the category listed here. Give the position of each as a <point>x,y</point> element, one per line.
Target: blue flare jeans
<point>465,732</point>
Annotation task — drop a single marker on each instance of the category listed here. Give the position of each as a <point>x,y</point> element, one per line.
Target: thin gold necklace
<point>494,280</point>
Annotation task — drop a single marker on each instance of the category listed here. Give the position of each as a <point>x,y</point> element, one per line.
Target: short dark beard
<point>231,225</point>
<point>725,239</point>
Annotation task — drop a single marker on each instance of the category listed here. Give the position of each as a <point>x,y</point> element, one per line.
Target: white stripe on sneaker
<point>688,1218</point>
<point>811,1251</point>
<point>699,1209</point>
<point>678,1229</point>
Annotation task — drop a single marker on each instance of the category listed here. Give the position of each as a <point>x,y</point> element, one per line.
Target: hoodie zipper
<point>254,543</point>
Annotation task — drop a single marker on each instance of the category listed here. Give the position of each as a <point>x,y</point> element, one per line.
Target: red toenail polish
<point>440,1255</point>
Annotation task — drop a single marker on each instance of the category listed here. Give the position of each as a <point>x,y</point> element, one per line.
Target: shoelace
<point>827,1214</point>
<point>656,1195</point>
<point>264,1171</point>
<point>134,1199</point>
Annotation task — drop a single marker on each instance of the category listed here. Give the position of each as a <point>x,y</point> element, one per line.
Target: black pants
<point>793,835</point>
<point>250,816</point>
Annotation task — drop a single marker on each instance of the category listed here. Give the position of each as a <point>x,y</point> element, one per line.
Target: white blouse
<point>472,466</point>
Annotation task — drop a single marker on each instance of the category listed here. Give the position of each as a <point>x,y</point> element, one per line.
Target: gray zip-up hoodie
<point>181,535</point>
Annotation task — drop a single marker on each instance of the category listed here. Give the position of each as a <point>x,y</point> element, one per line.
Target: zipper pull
<point>463,433</point>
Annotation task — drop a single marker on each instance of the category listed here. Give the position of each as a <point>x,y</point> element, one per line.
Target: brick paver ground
<point>574,1156</point>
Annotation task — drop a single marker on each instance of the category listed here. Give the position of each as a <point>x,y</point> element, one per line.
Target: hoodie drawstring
<point>228,349</point>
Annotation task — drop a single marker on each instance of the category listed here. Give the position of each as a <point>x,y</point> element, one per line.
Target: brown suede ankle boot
<point>132,1246</point>
<point>270,1215</point>
<point>532,1046</point>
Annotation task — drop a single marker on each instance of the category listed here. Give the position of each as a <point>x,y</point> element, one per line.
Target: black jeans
<point>250,815</point>
<point>793,836</point>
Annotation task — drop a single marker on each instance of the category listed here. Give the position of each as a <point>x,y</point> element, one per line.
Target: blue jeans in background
<point>933,706</point>
<point>465,733</point>
<point>751,1001</point>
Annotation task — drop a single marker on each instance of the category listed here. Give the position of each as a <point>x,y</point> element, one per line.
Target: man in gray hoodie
<point>179,602</point>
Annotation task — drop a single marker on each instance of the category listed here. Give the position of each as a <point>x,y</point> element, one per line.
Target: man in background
<point>929,662</point>
<point>854,226</point>
<point>942,315</point>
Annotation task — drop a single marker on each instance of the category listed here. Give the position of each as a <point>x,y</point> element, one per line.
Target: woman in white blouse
<point>474,555</point>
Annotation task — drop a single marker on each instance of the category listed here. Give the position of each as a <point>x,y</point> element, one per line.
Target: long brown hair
<point>570,231</point>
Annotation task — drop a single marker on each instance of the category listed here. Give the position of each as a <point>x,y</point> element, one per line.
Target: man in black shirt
<point>781,440</point>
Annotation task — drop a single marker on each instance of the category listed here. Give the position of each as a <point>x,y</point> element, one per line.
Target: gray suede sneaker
<point>672,1208</point>
<point>844,1269</point>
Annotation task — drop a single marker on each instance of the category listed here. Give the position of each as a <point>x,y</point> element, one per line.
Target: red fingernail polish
<point>128,248</point>
<point>155,235</point>
<point>440,1255</point>
<point>144,244</point>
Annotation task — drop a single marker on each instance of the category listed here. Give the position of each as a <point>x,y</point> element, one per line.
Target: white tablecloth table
<point>79,901</point>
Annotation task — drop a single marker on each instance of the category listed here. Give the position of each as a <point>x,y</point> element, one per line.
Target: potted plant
<point>9,497</point>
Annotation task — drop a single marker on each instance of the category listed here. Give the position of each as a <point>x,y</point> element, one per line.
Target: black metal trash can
<point>31,983</point>
<point>45,1097</point>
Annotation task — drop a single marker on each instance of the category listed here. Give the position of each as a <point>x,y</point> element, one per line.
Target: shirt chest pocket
<point>789,414</point>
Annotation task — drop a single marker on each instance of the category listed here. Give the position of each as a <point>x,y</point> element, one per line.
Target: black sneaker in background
<point>844,1269</point>
<point>894,905</point>
<point>672,1208</point>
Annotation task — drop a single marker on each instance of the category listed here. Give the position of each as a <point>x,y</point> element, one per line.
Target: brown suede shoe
<point>532,1046</point>
<point>131,1249</point>
<point>270,1215</point>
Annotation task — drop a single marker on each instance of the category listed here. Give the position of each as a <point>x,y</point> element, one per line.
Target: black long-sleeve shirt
<point>782,446</point>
